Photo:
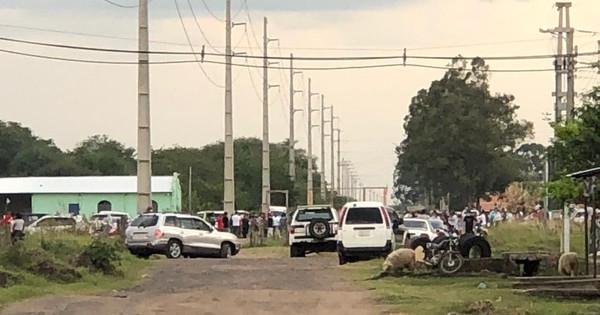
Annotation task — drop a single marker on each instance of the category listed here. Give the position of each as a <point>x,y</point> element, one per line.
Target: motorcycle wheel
<point>451,263</point>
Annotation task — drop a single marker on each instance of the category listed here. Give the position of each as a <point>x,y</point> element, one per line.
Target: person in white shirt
<point>276,223</point>
<point>17,225</point>
<point>236,221</point>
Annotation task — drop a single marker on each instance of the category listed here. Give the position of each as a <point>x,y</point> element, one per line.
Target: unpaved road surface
<point>246,284</point>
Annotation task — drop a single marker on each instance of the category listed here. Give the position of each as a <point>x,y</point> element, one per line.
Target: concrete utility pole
<point>323,135</point>
<point>309,180</point>
<point>564,66</point>
<point>293,111</point>
<point>332,154</point>
<point>339,162</point>
<point>266,149</point>
<point>144,149</point>
<point>229,176</point>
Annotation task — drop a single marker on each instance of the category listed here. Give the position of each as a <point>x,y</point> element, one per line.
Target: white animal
<point>568,264</point>
<point>397,261</point>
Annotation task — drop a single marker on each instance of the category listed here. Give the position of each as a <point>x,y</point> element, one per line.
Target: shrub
<point>101,256</point>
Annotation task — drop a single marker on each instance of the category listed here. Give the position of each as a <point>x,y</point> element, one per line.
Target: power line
<point>245,6</point>
<point>211,13</point>
<point>192,47</point>
<point>339,58</point>
<point>121,5</point>
<point>200,28</point>
<point>283,68</point>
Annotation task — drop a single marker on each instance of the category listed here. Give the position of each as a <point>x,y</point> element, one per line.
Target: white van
<point>365,230</point>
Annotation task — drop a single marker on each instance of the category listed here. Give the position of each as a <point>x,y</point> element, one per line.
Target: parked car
<point>365,230</point>
<point>313,229</point>
<point>430,228</point>
<point>121,219</point>
<point>29,218</point>
<point>176,235</point>
<point>52,223</point>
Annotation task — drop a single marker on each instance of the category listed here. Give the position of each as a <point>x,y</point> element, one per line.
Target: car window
<point>437,225</point>
<point>413,224</point>
<point>305,215</point>
<point>186,223</point>
<point>145,220</point>
<point>171,221</point>
<point>56,222</point>
<point>200,225</point>
<point>364,216</point>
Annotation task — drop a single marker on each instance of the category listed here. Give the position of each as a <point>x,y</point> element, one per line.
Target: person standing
<point>225,222</point>
<point>276,231</point>
<point>236,221</point>
<point>261,223</point>
<point>16,228</point>
<point>469,223</point>
<point>245,226</point>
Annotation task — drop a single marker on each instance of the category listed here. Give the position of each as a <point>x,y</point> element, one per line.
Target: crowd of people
<point>476,220</point>
<point>256,227</point>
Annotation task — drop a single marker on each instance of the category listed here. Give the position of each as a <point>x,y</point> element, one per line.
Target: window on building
<point>155,206</point>
<point>104,205</point>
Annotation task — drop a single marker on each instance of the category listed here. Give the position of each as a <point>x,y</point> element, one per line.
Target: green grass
<point>130,273</point>
<point>441,295</point>
<point>519,237</point>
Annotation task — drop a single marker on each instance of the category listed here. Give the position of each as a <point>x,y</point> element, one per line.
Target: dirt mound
<point>55,272</point>
<point>8,279</point>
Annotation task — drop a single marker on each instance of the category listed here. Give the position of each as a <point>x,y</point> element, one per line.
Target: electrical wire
<point>192,48</point>
<point>339,58</point>
<point>283,68</point>
<point>121,5</point>
<point>200,28</point>
<point>252,26</point>
<point>211,13</point>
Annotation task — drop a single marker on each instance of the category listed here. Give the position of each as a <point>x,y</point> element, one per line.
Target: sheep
<point>397,261</point>
<point>568,264</point>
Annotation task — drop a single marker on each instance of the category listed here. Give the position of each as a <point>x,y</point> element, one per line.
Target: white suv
<point>176,235</point>
<point>365,230</point>
<point>313,229</point>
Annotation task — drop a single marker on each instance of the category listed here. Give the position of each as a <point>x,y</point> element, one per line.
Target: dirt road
<point>246,284</point>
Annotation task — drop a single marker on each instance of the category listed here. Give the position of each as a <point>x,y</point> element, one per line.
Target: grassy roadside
<point>438,295</point>
<point>52,264</point>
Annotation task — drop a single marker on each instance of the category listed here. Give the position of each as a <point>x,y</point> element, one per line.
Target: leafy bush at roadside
<point>62,257</point>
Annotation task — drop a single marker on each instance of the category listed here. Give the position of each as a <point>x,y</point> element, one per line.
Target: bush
<point>101,256</point>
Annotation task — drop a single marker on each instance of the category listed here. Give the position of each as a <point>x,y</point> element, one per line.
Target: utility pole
<point>339,162</point>
<point>229,176</point>
<point>323,135</point>
<point>293,111</point>
<point>144,158</point>
<point>309,180</point>
<point>190,192</point>
<point>332,154</point>
<point>266,150</point>
<point>571,53</point>
<point>564,66</point>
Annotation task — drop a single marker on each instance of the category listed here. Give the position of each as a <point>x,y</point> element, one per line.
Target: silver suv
<point>176,235</point>
<point>313,229</point>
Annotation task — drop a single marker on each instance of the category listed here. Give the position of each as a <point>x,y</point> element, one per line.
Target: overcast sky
<point>68,101</point>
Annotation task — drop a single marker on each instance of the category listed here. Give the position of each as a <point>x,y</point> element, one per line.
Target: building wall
<point>88,203</point>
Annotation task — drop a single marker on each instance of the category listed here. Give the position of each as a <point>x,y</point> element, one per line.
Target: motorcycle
<point>444,255</point>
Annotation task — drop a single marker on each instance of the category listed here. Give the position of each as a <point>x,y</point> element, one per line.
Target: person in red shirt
<point>220,223</point>
<point>6,218</point>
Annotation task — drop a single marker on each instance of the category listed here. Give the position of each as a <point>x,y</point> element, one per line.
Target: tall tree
<point>104,156</point>
<point>575,147</point>
<point>460,139</point>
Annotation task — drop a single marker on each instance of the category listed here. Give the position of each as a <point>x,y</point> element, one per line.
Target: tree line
<point>25,154</point>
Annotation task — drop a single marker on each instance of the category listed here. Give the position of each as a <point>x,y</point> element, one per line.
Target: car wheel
<point>174,249</point>
<point>342,259</point>
<point>225,250</point>
<point>297,251</point>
